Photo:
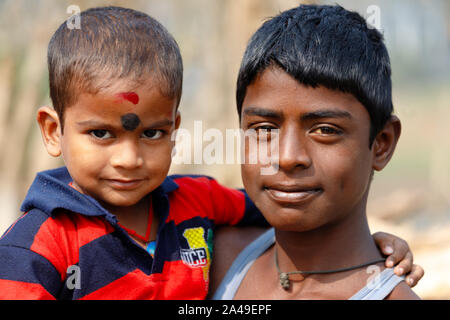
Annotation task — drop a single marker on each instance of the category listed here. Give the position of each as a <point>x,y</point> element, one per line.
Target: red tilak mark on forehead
<point>130,96</point>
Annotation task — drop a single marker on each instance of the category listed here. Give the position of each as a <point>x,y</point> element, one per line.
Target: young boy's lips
<point>292,194</point>
<point>122,184</point>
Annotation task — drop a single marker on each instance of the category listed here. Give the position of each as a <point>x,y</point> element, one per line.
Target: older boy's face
<point>117,144</point>
<point>324,158</point>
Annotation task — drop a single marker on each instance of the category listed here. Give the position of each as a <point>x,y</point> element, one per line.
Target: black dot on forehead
<point>130,121</point>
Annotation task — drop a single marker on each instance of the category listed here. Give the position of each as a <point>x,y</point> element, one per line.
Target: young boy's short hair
<point>352,59</point>
<point>91,58</point>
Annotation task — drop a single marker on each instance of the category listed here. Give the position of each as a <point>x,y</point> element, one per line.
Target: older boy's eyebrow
<point>325,114</point>
<point>261,112</point>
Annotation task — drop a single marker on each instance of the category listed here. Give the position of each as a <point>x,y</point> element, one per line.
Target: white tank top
<point>386,281</point>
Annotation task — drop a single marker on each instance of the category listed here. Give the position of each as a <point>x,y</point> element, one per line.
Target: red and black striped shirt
<point>66,246</point>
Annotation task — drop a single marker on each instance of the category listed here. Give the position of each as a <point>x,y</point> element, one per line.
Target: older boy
<point>318,79</point>
<point>91,227</point>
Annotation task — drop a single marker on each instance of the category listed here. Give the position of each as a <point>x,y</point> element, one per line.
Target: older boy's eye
<point>100,134</point>
<point>326,131</point>
<point>265,128</point>
<point>266,131</point>
<point>152,134</point>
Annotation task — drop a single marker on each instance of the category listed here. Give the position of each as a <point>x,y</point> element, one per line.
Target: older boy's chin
<point>293,219</point>
<point>287,220</point>
<point>292,226</point>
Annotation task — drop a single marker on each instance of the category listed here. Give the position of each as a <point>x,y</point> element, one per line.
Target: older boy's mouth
<point>285,193</point>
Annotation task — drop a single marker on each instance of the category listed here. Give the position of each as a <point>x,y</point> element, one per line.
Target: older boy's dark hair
<point>112,43</point>
<point>328,46</point>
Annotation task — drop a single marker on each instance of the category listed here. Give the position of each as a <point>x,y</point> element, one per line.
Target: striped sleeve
<point>25,274</point>
<point>234,207</point>
<point>252,216</point>
<point>37,252</point>
<point>222,204</point>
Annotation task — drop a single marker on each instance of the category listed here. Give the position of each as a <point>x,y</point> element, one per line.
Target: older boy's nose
<point>127,155</point>
<point>292,151</point>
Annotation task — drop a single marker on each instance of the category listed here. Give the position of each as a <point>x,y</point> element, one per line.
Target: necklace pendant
<point>151,246</point>
<point>284,280</point>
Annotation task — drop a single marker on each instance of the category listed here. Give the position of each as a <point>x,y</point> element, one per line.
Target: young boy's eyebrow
<point>161,123</point>
<point>319,114</point>
<point>95,123</point>
<point>261,112</point>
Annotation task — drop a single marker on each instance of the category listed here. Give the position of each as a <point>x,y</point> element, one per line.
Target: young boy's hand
<point>400,256</point>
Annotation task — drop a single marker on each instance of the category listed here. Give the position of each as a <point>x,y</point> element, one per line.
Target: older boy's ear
<point>385,143</point>
<point>48,121</point>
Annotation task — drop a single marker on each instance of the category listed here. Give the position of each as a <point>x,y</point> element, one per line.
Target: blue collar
<point>168,185</point>
<point>51,191</point>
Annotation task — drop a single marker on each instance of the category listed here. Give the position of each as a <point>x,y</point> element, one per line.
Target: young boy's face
<point>325,162</point>
<point>117,144</point>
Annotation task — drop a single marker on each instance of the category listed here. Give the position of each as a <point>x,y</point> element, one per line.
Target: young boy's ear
<point>385,142</point>
<point>48,121</point>
<point>173,138</point>
<point>177,120</point>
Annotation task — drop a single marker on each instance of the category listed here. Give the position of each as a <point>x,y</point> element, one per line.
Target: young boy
<point>90,228</point>
<point>318,79</point>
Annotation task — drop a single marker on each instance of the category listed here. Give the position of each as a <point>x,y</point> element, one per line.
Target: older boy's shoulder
<point>402,292</point>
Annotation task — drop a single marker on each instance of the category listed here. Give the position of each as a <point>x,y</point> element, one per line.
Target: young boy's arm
<point>25,273</point>
<point>223,205</point>
<point>234,207</point>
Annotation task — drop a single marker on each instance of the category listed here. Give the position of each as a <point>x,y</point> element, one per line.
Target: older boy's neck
<point>344,244</point>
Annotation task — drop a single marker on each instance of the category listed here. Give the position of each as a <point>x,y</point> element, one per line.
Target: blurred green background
<point>410,198</point>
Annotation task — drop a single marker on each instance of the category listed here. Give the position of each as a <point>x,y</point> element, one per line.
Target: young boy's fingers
<point>401,252</point>
<point>391,246</point>
<point>384,241</point>
<point>415,275</point>
<point>405,265</point>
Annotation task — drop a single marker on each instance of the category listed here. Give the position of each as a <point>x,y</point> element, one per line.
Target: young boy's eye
<point>100,134</point>
<point>152,134</point>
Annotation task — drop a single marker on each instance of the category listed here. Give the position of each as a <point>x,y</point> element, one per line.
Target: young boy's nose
<point>292,150</point>
<point>127,155</point>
